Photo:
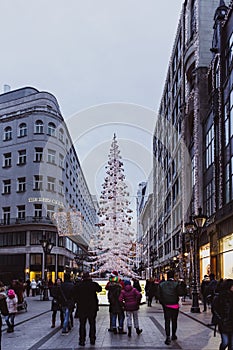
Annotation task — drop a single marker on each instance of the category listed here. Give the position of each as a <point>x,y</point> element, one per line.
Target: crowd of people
<point>124,298</point>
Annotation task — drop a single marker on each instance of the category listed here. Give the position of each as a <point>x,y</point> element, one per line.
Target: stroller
<point>22,305</point>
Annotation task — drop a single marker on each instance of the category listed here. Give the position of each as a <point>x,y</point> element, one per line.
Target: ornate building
<point>40,176</point>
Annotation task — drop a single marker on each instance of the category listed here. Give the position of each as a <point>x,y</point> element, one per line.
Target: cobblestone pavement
<point>33,332</point>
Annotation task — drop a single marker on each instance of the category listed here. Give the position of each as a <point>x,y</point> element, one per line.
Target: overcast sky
<point>88,53</point>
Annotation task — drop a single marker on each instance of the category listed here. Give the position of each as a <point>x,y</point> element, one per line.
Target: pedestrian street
<point>33,332</point>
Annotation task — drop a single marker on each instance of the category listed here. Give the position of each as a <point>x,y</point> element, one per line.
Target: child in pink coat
<point>131,297</point>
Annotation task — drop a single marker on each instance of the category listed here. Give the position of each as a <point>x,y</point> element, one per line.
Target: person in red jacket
<point>131,297</point>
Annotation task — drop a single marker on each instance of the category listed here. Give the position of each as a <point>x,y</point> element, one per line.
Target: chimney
<point>6,88</point>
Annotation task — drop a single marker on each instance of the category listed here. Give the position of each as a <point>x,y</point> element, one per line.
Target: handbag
<point>55,306</point>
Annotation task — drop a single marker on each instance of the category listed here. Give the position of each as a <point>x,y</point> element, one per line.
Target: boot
<point>129,331</point>
<point>53,325</point>
<point>168,341</point>
<point>120,331</point>
<point>138,331</point>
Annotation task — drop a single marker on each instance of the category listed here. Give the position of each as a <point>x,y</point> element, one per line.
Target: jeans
<point>121,318</point>
<point>170,315</point>
<point>129,315</point>
<point>10,320</point>
<point>66,313</point>
<point>227,340</point>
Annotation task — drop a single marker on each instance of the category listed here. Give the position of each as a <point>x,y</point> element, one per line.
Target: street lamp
<point>47,246</point>
<point>194,227</point>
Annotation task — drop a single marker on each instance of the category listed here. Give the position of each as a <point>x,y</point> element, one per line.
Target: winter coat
<point>154,290</point>
<point>204,285</point>
<point>3,307</point>
<point>33,284</point>
<point>12,304</point>
<point>84,293</point>
<point>168,292</point>
<point>66,296</point>
<point>222,307</point>
<point>114,291</point>
<point>131,298</point>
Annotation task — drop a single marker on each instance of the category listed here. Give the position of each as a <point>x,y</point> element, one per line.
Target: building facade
<point>182,145</point>
<point>41,178</point>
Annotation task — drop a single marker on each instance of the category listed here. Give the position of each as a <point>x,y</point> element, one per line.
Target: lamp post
<point>47,246</point>
<point>194,228</point>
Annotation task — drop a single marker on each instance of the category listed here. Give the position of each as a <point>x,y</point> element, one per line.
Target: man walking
<point>169,298</point>
<point>87,302</point>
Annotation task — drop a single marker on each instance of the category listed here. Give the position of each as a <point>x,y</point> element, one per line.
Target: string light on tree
<point>113,243</point>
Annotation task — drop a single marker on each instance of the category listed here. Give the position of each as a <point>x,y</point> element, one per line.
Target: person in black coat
<point>56,302</point>
<point>3,307</point>
<point>67,303</point>
<point>87,302</point>
<point>204,287</point>
<point>222,308</point>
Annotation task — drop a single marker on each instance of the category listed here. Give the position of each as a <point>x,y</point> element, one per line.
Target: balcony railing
<point>26,220</point>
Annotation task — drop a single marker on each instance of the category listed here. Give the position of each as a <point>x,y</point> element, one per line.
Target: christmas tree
<point>113,244</point>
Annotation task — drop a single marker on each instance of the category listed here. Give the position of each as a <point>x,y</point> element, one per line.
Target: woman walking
<point>222,308</point>
<point>131,298</point>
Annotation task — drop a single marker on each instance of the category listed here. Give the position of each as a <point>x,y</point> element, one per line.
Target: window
<point>61,160</point>
<point>50,211</point>
<point>209,198</point>
<point>38,210</point>
<point>229,181</point>
<point>193,162</point>
<point>209,147</point>
<point>192,19</point>
<point>51,156</point>
<point>22,157</point>
<point>6,187</point>
<point>7,133</point>
<point>38,154</point>
<point>21,186</point>
<point>12,239</point>
<point>7,160</point>
<point>36,259</point>
<point>21,212</point>
<point>60,187</point>
<point>51,129</point>
<point>22,130</point>
<point>38,182</point>
<point>39,127</point>
<point>6,215</point>
<point>61,135</point>
<point>228,120</point>
<point>51,184</point>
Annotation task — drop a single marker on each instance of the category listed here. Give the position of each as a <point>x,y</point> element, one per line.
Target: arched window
<point>22,129</point>
<point>7,133</point>
<point>51,129</point>
<point>39,127</point>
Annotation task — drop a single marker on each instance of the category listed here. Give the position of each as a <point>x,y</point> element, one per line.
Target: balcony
<point>26,220</point>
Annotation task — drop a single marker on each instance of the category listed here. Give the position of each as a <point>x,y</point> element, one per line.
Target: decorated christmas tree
<point>114,241</point>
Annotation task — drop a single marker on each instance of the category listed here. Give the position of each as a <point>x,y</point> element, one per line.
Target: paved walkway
<point>33,331</point>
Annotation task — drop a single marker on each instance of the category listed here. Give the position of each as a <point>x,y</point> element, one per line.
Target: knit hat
<point>11,293</point>
<point>127,282</point>
<point>114,273</point>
